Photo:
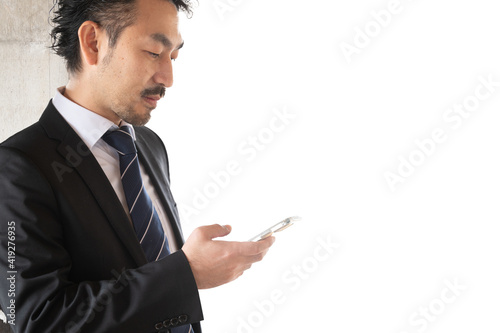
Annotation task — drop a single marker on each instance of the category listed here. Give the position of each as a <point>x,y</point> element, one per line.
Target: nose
<point>164,75</point>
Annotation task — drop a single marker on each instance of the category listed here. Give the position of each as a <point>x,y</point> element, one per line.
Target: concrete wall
<point>29,71</point>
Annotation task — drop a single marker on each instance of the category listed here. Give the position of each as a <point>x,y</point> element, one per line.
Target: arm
<point>46,300</point>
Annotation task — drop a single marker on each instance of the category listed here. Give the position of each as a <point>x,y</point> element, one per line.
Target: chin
<point>136,119</point>
<point>139,121</point>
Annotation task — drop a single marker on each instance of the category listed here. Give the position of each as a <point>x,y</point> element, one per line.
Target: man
<point>89,231</point>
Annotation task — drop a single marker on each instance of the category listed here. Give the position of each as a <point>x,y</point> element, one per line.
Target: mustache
<point>157,90</point>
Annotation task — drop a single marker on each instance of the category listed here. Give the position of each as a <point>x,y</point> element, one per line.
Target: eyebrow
<point>161,38</point>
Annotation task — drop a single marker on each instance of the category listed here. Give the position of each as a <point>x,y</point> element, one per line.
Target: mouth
<point>152,100</point>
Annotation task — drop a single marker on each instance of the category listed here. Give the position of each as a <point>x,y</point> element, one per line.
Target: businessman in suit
<point>80,250</point>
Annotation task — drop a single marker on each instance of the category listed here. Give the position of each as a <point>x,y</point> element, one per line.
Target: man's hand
<point>216,262</point>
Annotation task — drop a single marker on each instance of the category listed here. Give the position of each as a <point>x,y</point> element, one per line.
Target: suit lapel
<point>157,169</point>
<point>78,156</point>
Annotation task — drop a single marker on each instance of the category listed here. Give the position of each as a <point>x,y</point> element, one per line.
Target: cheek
<point>139,73</point>
<point>127,76</point>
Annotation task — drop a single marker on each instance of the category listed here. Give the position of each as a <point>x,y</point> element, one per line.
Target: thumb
<point>216,230</point>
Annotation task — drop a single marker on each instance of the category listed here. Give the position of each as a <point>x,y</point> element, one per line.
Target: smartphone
<point>276,228</point>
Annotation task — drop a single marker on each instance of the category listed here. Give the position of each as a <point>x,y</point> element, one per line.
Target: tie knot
<point>122,140</point>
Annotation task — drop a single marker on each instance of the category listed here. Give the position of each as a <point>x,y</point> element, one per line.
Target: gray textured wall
<point>29,71</point>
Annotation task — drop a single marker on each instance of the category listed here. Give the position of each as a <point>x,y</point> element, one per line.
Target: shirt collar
<point>87,124</point>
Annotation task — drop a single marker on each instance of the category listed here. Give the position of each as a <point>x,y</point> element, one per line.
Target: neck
<point>80,92</point>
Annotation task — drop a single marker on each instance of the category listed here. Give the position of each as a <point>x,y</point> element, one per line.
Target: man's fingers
<point>252,260</point>
<point>216,262</point>
<point>256,248</point>
<point>214,231</point>
<point>258,257</point>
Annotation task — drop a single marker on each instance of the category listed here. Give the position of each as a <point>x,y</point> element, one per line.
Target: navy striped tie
<point>146,222</point>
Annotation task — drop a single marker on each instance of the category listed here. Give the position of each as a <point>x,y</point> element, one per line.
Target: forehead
<point>156,17</point>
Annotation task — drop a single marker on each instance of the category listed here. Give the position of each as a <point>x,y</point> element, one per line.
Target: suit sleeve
<point>36,282</point>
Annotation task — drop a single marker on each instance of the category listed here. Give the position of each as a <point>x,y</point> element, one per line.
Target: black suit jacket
<point>80,267</point>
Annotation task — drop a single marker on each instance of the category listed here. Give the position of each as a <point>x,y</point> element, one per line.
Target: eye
<point>154,55</point>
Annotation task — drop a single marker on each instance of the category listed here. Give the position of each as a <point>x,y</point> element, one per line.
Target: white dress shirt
<point>90,127</point>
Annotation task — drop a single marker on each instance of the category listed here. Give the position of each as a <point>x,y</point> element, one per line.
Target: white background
<point>353,121</point>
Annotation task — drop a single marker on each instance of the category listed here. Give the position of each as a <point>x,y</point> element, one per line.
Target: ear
<point>90,35</point>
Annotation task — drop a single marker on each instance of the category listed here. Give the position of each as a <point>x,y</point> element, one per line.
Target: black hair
<point>112,15</point>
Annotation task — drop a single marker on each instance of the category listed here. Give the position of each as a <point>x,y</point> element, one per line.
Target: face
<point>132,76</point>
